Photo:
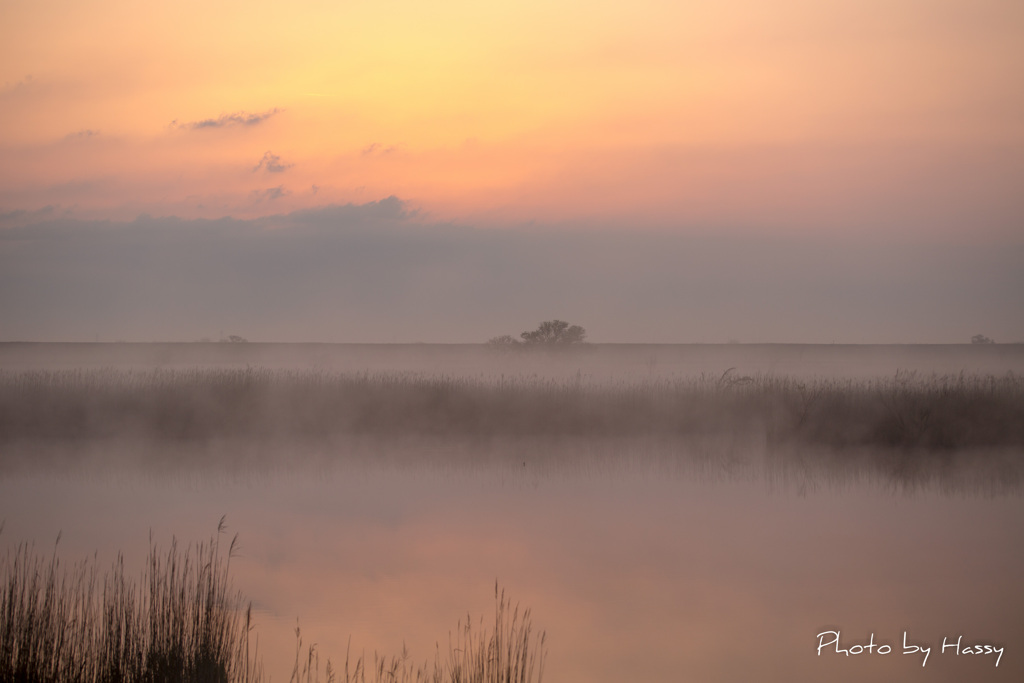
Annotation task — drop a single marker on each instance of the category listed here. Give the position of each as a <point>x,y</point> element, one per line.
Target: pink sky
<point>798,115</point>
<point>794,171</point>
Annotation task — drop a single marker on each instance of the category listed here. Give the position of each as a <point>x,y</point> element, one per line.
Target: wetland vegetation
<point>908,411</point>
<point>442,409</point>
<point>180,622</point>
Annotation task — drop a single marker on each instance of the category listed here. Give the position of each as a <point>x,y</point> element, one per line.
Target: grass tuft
<point>511,653</point>
<point>180,623</point>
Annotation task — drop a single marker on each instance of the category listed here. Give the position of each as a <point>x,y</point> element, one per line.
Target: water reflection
<point>642,562</point>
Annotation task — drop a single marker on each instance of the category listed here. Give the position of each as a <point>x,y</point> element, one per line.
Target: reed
<point>906,411</point>
<point>180,622</point>
<point>510,653</point>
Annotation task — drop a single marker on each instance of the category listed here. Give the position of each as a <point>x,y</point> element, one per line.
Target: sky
<point>823,170</point>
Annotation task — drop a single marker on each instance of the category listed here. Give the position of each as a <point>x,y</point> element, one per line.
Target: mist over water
<point>591,363</point>
<point>701,485</point>
<point>643,557</point>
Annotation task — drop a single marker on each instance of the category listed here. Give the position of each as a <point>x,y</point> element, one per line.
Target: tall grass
<point>181,622</point>
<point>510,653</point>
<point>905,411</point>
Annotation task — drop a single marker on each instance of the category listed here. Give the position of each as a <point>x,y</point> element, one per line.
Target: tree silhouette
<point>555,332</point>
<point>503,340</point>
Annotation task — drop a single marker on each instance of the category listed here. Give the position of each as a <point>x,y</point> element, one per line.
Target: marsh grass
<point>180,622</point>
<point>509,653</point>
<point>908,411</point>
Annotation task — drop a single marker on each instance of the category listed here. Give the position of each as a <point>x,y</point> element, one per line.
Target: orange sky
<point>795,114</point>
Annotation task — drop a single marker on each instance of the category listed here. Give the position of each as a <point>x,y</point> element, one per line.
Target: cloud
<point>270,193</point>
<point>377,216</point>
<point>226,120</point>
<point>272,164</point>
<point>376,149</point>
<point>82,134</point>
<point>18,87</point>
<point>381,272</point>
<point>19,218</point>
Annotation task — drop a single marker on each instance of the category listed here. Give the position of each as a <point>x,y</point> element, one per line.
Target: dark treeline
<point>906,412</point>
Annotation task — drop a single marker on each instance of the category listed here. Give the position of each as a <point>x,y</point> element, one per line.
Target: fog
<point>911,415</point>
<point>586,364</point>
<point>664,510</point>
<point>635,566</point>
<point>278,265</point>
<point>380,272</point>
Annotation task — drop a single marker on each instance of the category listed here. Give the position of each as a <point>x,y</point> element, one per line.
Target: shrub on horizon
<point>548,333</point>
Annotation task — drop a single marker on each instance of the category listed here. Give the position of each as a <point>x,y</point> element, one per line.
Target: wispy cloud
<point>377,149</point>
<point>270,193</point>
<point>84,134</point>
<point>240,118</point>
<point>12,219</point>
<point>272,164</point>
<point>18,87</point>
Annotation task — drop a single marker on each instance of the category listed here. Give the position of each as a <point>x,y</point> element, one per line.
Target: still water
<point>641,562</point>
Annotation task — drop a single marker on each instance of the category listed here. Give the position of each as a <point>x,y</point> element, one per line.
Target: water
<point>642,562</point>
<point>595,363</point>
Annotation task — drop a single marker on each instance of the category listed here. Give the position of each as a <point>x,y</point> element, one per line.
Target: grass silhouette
<point>510,653</point>
<point>181,623</point>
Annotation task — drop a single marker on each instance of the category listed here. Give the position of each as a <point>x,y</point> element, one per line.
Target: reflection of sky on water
<point>636,573</point>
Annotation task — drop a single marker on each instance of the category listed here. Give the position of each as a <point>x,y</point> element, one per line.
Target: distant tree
<point>982,339</point>
<point>503,340</point>
<point>555,332</point>
<point>235,339</point>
